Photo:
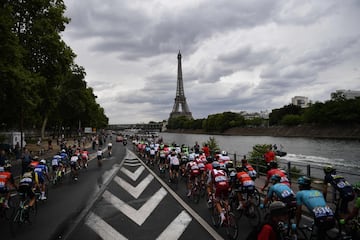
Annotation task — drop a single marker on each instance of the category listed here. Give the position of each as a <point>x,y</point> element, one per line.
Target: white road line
<point>138,216</point>
<point>134,191</point>
<point>176,227</point>
<point>133,175</point>
<point>104,230</point>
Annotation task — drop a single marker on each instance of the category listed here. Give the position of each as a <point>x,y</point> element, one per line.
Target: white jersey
<point>174,160</point>
<point>74,159</point>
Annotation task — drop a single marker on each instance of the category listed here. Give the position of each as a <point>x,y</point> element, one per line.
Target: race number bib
<point>322,212</point>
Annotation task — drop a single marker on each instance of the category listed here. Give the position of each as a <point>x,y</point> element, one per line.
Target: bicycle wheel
<point>195,194</point>
<point>257,197</point>
<point>215,218</point>
<point>232,229</point>
<point>253,214</point>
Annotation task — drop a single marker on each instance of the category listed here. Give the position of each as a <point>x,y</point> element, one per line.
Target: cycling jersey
<point>250,170</point>
<point>41,170</point>
<point>174,160</point>
<point>282,191</point>
<point>221,183</point>
<point>340,184</point>
<point>5,178</point>
<point>277,171</point>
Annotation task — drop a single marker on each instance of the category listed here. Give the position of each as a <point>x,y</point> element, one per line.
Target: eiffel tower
<point>180,99</point>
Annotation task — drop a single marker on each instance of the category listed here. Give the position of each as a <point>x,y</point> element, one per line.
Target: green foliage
<point>295,172</point>
<point>291,120</point>
<point>212,143</point>
<point>40,81</point>
<point>277,115</point>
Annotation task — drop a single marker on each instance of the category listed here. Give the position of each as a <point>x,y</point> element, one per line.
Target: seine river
<point>343,154</point>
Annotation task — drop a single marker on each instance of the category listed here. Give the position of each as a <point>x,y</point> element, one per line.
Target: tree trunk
<point>43,127</point>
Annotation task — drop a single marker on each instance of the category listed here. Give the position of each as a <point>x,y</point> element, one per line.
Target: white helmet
<point>2,169</point>
<point>43,161</point>
<point>224,153</point>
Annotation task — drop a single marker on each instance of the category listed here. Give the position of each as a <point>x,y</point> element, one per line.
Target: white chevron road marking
<point>134,191</point>
<point>138,216</point>
<point>176,227</point>
<point>104,230</point>
<point>131,164</point>
<point>133,175</point>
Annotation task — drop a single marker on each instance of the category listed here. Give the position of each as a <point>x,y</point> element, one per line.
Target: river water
<point>342,154</point>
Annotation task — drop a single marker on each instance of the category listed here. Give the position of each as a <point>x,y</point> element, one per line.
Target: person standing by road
<point>206,150</point>
<point>25,160</point>
<point>3,158</point>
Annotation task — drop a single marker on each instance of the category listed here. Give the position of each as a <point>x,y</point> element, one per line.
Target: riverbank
<point>340,132</point>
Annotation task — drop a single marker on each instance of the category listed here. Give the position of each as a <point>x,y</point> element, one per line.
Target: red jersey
<point>244,178</point>
<point>220,179</point>
<point>4,178</point>
<point>34,164</point>
<point>206,151</point>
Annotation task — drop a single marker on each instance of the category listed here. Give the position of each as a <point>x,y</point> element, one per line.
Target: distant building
<point>300,101</point>
<point>250,116</point>
<point>347,94</point>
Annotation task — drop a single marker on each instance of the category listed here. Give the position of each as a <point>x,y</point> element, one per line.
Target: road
<point>124,199</point>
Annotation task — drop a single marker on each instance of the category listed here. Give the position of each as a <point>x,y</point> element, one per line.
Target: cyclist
<point>219,184</point>
<point>341,185</point>
<point>280,191</point>
<point>152,154</point>
<point>26,185</point>
<point>109,147</point>
<point>74,166</point>
<point>246,185</point>
<point>250,170</point>
<point>354,213</point>
<point>315,203</point>
<point>193,171</point>
<point>275,170</point>
<point>85,157</point>
<point>162,157</point>
<point>41,172</point>
<point>174,163</point>
<point>6,183</point>
<point>272,228</point>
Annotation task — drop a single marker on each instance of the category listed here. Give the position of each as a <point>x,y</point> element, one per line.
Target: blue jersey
<point>40,170</point>
<point>282,191</point>
<point>310,198</point>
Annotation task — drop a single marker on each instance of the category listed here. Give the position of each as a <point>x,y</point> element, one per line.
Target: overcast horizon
<point>236,55</point>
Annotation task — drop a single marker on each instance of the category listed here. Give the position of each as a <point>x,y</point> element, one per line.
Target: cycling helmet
<point>209,159</point>
<point>36,158</point>
<point>275,178</point>
<point>356,187</point>
<point>229,164</point>
<point>215,164</point>
<point>278,208</point>
<point>7,167</point>
<point>63,150</point>
<point>43,161</point>
<point>2,169</point>
<point>304,181</point>
<point>329,169</point>
<point>224,153</point>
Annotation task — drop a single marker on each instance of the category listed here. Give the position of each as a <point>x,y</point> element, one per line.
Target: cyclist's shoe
<point>75,178</point>
<point>240,207</point>
<point>6,205</point>
<point>43,197</point>
<point>222,220</point>
<point>188,194</point>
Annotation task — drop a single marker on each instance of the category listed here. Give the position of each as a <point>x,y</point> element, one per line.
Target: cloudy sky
<point>239,55</point>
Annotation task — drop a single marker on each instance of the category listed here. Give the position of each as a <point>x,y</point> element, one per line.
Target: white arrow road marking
<point>134,191</point>
<point>138,216</point>
<point>133,175</point>
<point>176,227</point>
<point>104,230</point>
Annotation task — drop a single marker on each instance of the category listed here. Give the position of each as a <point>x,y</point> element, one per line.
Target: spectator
<point>206,150</point>
<point>3,158</point>
<point>25,160</point>
<point>196,148</point>
<point>269,156</point>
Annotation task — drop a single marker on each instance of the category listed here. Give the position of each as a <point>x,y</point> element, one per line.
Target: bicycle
<point>250,208</point>
<point>195,191</point>
<point>24,213</point>
<point>230,224</point>
<point>309,232</point>
<point>7,213</point>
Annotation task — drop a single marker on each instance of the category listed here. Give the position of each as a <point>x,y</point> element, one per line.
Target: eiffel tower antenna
<point>180,106</point>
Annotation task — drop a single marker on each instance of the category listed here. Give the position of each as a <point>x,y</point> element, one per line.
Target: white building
<point>347,94</point>
<point>300,101</point>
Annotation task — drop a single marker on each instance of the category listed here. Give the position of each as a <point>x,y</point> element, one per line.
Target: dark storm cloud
<point>237,55</point>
